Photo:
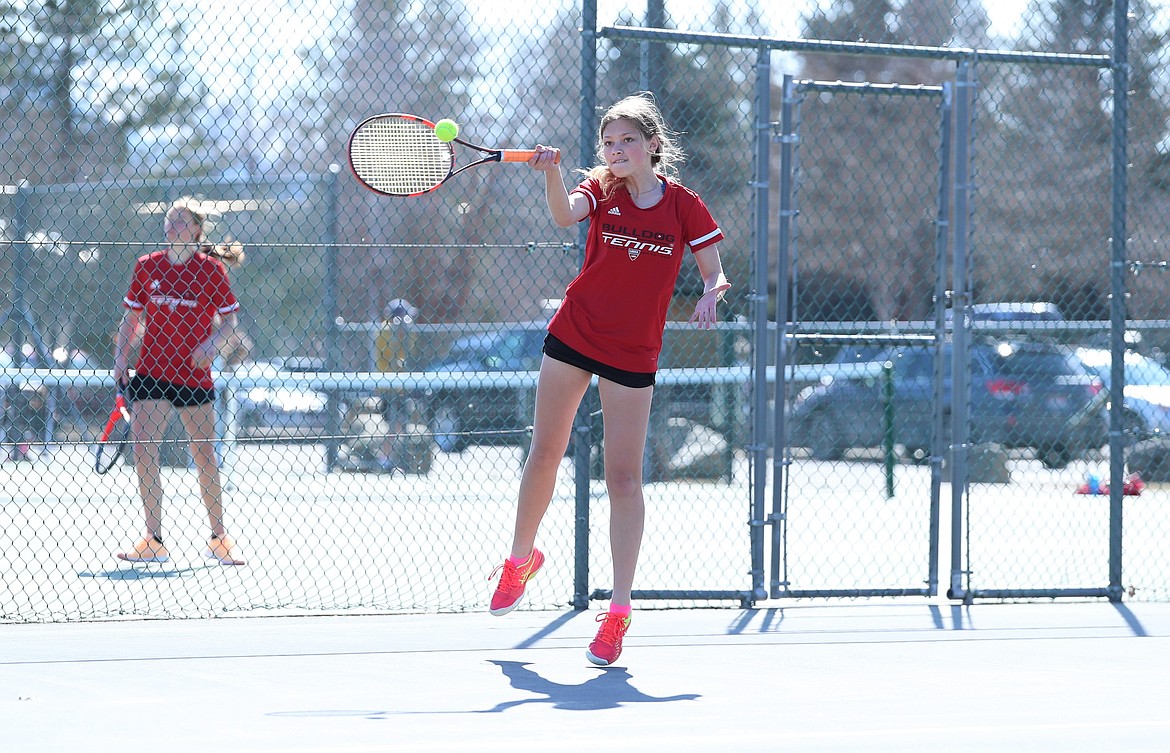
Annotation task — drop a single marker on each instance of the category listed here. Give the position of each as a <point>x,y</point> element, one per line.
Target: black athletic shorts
<point>180,396</point>
<point>554,348</point>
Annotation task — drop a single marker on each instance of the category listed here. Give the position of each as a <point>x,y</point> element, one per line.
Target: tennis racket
<point>114,436</point>
<point>395,154</point>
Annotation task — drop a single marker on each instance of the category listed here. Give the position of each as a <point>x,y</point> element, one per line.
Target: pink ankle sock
<point>518,560</point>
<point>620,611</point>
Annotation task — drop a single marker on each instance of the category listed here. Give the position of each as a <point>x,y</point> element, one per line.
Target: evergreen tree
<point>1045,166</point>
<point>81,80</point>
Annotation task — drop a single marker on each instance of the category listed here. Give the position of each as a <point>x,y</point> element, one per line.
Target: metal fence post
<point>759,300</point>
<point>779,438</point>
<point>583,442</point>
<point>888,429</point>
<point>329,303</point>
<point>653,54</point>
<point>1120,69</point>
<point>942,227</point>
<point>965,91</point>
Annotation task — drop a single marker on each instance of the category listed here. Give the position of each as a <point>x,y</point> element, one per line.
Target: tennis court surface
<point>872,676</point>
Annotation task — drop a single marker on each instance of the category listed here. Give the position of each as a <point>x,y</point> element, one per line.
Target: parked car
<point>1012,311</point>
<point>86,402</point>
<point>1147,389</point>
<point>1022,395</point>
<point>460,416</point>
<point>1016,319</point>
<point>299,364</point>
<point>276,408</point>
<point>1016,311</point>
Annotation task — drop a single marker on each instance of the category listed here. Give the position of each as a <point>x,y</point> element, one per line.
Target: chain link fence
<point>955,164</point>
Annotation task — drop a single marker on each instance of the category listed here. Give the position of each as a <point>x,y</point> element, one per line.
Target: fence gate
<point>858,456</point>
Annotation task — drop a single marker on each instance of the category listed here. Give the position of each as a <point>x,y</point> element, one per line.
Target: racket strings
<point>400,156</point>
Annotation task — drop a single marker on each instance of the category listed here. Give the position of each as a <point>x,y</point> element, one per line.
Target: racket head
<point>112,448</point>
<point>398,154</point>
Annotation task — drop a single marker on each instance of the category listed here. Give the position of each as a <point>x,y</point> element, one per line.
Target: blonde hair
<point>642,111</point>
<point>229,252</point>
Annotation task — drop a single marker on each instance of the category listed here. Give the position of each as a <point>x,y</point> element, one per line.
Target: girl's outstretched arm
<point>566,210</point>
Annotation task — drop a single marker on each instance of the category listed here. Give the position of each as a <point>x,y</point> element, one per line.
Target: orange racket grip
<point>120,407</point>
<point>521,155</point>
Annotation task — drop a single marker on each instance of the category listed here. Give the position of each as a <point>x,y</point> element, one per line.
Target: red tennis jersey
<point>181,302</point>
<point>614,311</point>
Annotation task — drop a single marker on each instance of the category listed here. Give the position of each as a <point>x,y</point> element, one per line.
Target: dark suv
<point>464,415</point>
<point>460,416</point>
<point>1022,395</point>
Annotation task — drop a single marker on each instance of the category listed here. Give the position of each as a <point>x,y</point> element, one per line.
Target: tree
<point>868,163</point>
<point>530,107</point>
<point>1045,163</point>
<point>859,21</point>
<point>70,120</point>
<point>392,56</point>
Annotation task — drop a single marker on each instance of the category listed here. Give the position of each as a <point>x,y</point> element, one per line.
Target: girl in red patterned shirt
<point>610,323</point>
<point>181,301</point>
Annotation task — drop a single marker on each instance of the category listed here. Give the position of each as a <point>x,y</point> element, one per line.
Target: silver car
<point>1147,389</point>
<point>272,407</point>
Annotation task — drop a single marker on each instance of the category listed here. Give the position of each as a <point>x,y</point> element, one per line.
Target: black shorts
<point>554,348</point>
<point>180,396</point>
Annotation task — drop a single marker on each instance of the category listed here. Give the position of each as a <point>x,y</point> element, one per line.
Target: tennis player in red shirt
<point>181,301</point>
<point>610,323</point>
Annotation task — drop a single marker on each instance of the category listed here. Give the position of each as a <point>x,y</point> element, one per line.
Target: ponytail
<point>229,252</point>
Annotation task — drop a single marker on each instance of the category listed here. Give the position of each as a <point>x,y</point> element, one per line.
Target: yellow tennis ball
<point>446,130</point>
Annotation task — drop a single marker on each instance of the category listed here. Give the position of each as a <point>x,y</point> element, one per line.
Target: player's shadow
<point>139,573</point>
<point>610,689</point>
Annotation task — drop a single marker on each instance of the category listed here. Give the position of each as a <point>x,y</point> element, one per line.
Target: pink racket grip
<point>522,155</point>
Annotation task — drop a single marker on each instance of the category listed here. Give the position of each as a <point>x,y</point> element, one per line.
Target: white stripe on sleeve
<point>591,197</point>
<point>700,241</point>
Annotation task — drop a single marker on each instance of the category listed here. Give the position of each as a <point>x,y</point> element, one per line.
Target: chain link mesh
<point>372,422</point>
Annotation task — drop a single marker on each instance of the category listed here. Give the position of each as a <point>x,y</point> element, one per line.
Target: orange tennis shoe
<point>220,548</point>
<point>149,549</point>
<point>510,590</point>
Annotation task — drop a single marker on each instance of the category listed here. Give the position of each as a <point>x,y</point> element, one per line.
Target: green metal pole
<point>888,425</point>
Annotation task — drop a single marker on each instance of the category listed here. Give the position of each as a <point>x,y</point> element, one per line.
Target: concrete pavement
<point>866,675</point>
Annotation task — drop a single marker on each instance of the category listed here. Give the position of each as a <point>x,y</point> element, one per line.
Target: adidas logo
<point>616,211</point>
